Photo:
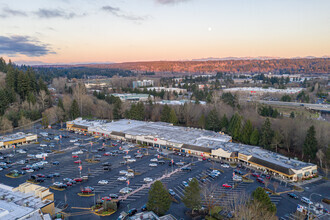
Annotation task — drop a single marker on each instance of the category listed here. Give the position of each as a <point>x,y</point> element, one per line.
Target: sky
<point>100,31</point>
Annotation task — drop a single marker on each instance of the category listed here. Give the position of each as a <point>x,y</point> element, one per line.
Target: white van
<point>306,200</point>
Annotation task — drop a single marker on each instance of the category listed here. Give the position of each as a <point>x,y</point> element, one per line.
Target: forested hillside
<point>290,66</point>
<point>23,96</point>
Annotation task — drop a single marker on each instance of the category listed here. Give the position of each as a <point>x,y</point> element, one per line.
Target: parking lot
<point>91,147</point>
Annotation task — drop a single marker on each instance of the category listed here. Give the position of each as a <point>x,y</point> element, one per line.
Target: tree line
<point>23,96</point>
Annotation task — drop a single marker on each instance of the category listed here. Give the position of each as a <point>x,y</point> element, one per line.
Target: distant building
<point>260,90</point>
<point>143,83</point>
<point>27,201</point>
<point>179,102</point>
<point>133,97</point>
<point>159,89</point>
<point>16,139</point>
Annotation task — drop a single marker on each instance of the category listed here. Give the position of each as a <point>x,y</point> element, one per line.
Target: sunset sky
<point>78,31</point>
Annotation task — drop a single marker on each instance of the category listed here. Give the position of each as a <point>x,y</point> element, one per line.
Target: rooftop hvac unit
<point>2,197</point>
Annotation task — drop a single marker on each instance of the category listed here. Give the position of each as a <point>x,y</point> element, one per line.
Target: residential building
<point>143,83</point>
<point>133,97</point>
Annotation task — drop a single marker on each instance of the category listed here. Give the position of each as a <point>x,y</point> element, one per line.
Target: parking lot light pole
<point>309,204</point>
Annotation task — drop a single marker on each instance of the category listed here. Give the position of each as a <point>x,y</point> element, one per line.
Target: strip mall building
<point>196,142</point>
<point>17,139</point>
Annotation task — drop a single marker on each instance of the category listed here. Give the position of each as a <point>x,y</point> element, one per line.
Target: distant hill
<point>291,66</point>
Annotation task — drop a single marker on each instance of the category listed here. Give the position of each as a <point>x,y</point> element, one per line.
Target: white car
<point>126,190</point>
<point>154,160</point>
<point>225,165</point>
<point>152,165</point>
<point>57,184</point>
<point>22,162</point>
<point>122,178</point>
<point>76,144</point>
<point>21,151</point>
<point>104,182</point>
<point>147,180</point>
<point>237,178</point>
<point>130,174</point>
<point>306,200</point>
<point>73,140</point>
<point>43,145</point>
<point>127,157</point>
<point>30,171</point>
<point>123,172</point>
<point>131,160</point>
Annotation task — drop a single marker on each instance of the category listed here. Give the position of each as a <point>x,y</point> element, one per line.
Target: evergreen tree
<point>310,143</point>
<point>212,121</point>
<point>292,115</point>
<point>116,111</point>
<point>173,118</point>
<point>202,121</point>
<point>74,110</point>
<point>224,122</point>
<point>266,134</point>
<point>254,139</point>
<point>60,104</point>
<point>192,195</point>
<point>246,132</point>
<point>234,126</point>
<point>165,117</point>
<point>261,196</point>
<point>159,200</point>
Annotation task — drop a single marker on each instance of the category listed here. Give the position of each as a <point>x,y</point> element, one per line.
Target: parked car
<point>77,161</point>
<point>132,212</point>
<point>122,178</point>
<point>260,180</point>
<point>147,179</point>
<point>152,165</point>
<point>56,163</point>
<point>78,179</point>
<point>226,185</point>
<point>103,182</point>
<point>185,184</point>
<point>306,200</point>
<point>238,172</point>
<point>256,174</point>
<point>292,195</point>
<point>225,165</point>
<point>171,192</point>
<point>186,168</point>
<point>113,196</point>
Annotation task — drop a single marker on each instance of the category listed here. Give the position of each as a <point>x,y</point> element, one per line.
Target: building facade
<point>17,139</point>
<point>197,142</point>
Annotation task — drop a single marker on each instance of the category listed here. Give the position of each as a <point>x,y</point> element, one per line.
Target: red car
<point>25,168</point>
<point>260,180</point>
<point>74,156</point>
<point>69,184</point>
<point>78,179</point>
<point>86,190</point>
<point>106,198</point>
<point>226,185</point>
<point>41,175</point>
<point>204,158</point>
<point>115,145</point>
<point>267,176</point>
<point>256,174</point>
<point>106,154</point>
<point>77,161</point>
